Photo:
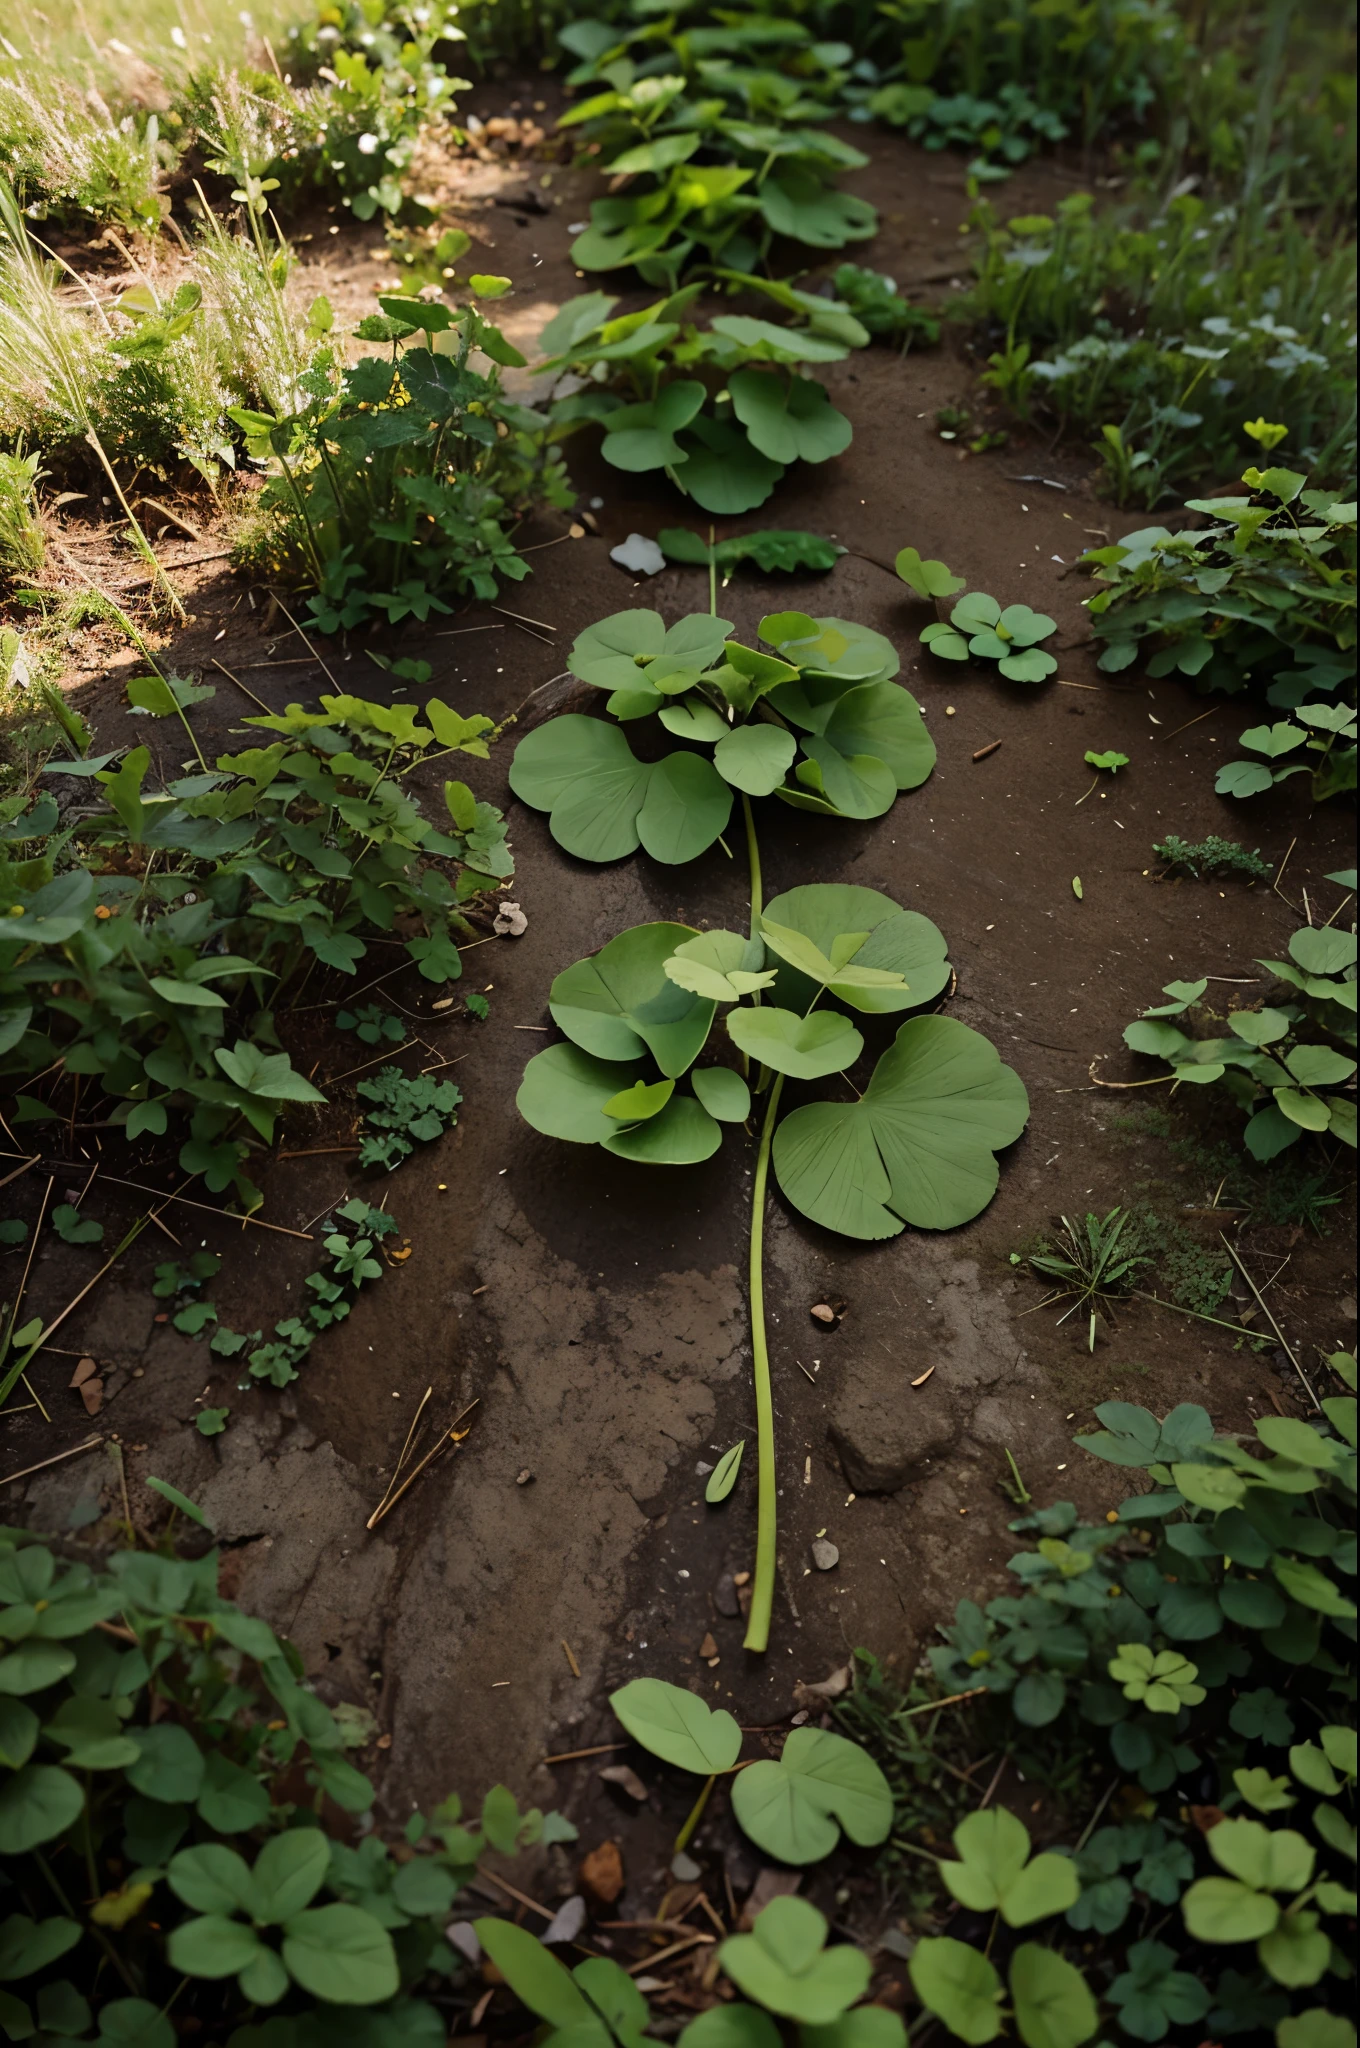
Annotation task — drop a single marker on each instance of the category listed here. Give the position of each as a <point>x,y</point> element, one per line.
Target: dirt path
<point>594,1309</point>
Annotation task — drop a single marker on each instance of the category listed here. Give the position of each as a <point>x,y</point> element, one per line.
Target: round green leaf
<point>424,1888</point>
<point>959,1985</point>
<point>564,1092</point>
<point>687,804</point>
<point>342,1954</point>
<point>621,1002</point>
<point>134,2023</point>
<point>838,648</point>
<point>170,1766</point>
<point>684,1134</point>
<point>928,579</point>
<point>36,1804</point>
<point>724,1094</point>
<point>212,1946</point>
<point>1032,665</point>
<point>1315,2029</point>
<point>612,653</point>
<point>975,613</point>
<point>799,205</point>
<point>586,776</point>
<point>1221,1909</point>
<point>1297,1950</point>
<point>788,419</point>
<point>789,1808</point>
<point>898,942</point>
<point>884,720</point>
<point>1321,949</point>
<point>264,1981</point>
<point>289,1872</point>
<point>644,1099</point>
<point>722,471</point>
<point>723,1477</point>
<point>1053,2007</point>
<point>678,1726</point>
<point>27,1946</point>
<point>943,641</point>
<point>804,1047</point>
<point>232,1800</point>
<point>33,1666</point>
<point>693,719</point>
<point>741,2026</point>
<point>212,1879</point>
<point>755,758</point>
<point>849,785</point>
<point>919,1146</point>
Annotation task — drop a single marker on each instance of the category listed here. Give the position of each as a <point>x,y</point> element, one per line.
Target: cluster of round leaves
<point>827,694</point>
<point>917,1147</point>
<point>978,625</point>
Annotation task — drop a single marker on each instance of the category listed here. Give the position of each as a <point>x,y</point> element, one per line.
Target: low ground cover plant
<point>155,937</point>
<point>1275,1064</point>
<point>1261,600</point>
<point>1162,332</point>
<point>177,1822</point>
<point>722,411</point>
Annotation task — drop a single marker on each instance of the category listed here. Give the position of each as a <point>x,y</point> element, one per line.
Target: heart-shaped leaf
<point>616,653</point>
<point>929,579</point>
<point>804,1047</point>
<point>755,758</point>
<point>723,472</point>
<point>586,776</point>
<point>1054,2007</point>
<point>883,720</point>
<point>790,1808</point>
<point>620,1002</point>
<point>644,1099</point>
<point>957,1983</point>
<point>564,1092</point>
<point>918,1148</point>
<point>898,941</point>
<point>788,420</point>
<point>784,1963</point>
<point>974,613</point>
<point>690,719</point>
<point>686,806</point>
<point>678,1726</point>
<point>943,641</point>
<point>996,1872</point>
<point>799,205</point>
<point>1030,666</point>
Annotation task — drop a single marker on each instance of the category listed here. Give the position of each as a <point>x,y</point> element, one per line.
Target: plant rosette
<point>978,626</point>
<point>826,694</point>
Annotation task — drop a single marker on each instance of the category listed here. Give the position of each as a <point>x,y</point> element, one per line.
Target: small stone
<point>601,1874</point>
<point>822,1312</point>
<point>685,1870</point>
<point>567,1922</point>
<point>523,1478</point>
<point>725,1597</point>
<point>638,554</point>
<point>708,1648</point>
<point>825,1555</point>
<point>92,1394</point>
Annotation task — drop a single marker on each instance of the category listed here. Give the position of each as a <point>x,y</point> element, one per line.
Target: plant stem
<point>753,857</point>
<point>695,1816</point>
<point>762,1593</point>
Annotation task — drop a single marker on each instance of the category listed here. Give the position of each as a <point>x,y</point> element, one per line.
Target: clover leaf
<point>1164,1682</point>
<point>901,945</point>
<point>1109,760</point>
<point>978,626</point>
<point>785,1964</point>
<point>788,420</point>
<point>917,1147</point>
<point>790,1808</point>
<point>1152,1995</point>
<point>996,1873</point>
<point>929,579</point>
<point>603,802</point>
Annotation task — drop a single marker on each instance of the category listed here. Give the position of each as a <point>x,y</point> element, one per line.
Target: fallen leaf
<point>771,1884</point>
<point>1076,887</point>
<point>84,1368</point>
<point>1206,1817</point>
<point>627,1780</point>
<point>566,1922</point>
<point>708,1648</point>
<point>601,1874</point>
<point>923,1377</point>
<point>829,1688</point>
<point>92,1394</point>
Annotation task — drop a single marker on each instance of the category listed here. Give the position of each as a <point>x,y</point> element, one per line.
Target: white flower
<point>367,144</point>
<point>179,39</point>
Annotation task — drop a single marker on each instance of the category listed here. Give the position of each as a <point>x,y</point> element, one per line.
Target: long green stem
<point>762,1593</point>
<point>753,858</point>
<point>696,1814</point>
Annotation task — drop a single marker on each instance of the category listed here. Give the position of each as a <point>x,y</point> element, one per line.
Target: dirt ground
<point>564,1546</point>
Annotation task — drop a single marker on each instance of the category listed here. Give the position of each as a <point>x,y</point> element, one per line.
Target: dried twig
<point>386,1505</point>
<point>240,685</point>
<point>1263,1305</point>
<point>42,1465</point>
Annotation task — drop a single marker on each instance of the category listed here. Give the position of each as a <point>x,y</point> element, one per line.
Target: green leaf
<point>755,758</point>
<point>537,1979</point>
<point>564,1091</point>
<point>73,1228</point>
<point>179,1500</point>
<point>929,579</point>
<point>1323,949</point>
<point>164,696</point>
<point>233,1801</point>
<point>585,774</point>
<point>741,2026</point>
<point>721,966</point>
<point>33,1666</point>
<point>684,1134</point>
<point>995,1872</point>
<point>289,1872</point>
<point>342,1954</point>
<point>783,1961</point>
<point>212,1946</point>
<point>788,419</point>
<point>687,804</point>
<point>270,1075</point>
<point>1219,1909</point>
<point>170,1764</point>
<point>1315,2029</point>
<point>1296,1951</point>
<point>897,942</point>
<point>27,1946</point>
<point>805,1047</point>
<point>134,2023</point>
<point>644,1099</point>
<point>212,1879</point>
<point>677,1726</point>
<point>883,721</point>
<point>1053,2006</point>
<point>724,1094</point>
<point>723,1477</point>
<point>789,1808</point>
<point>621,1003</point>
<point>1266,1793</point>
<point>918,1148</point>
<point>868,2026</point>
<point>959,1985</point>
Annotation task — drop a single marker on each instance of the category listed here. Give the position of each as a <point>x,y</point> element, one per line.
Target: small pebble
<point>523,1478</point>
<point>825,1555</point>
